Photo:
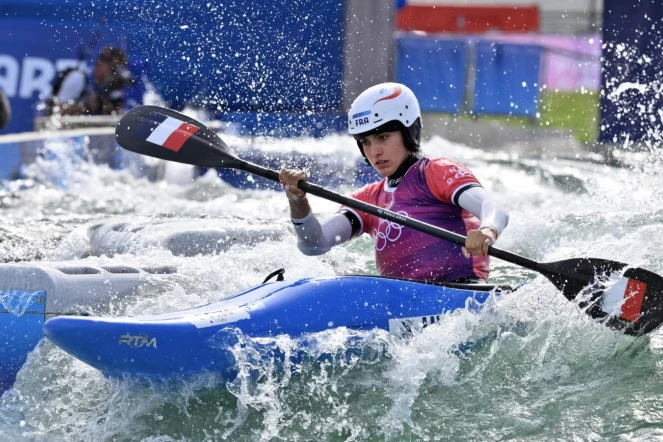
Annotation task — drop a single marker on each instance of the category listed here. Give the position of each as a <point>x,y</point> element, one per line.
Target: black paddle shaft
<point>570,276</point>
<point>195,144</point>
<point>437,232</point>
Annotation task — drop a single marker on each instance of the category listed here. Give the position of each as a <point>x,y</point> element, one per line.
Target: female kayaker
<point>385,120</point>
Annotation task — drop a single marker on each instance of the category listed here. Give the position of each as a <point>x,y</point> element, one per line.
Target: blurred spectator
<point>74,94</point>
<point>5,110</point>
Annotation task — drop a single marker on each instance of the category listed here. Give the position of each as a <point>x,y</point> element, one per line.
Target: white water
<point>545,372</point>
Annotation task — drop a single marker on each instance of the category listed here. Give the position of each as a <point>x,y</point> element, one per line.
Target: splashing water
<point>17,302</point>
<point>535,368</point>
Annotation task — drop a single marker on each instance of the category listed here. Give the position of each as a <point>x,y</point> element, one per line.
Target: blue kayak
<point>196,340</point>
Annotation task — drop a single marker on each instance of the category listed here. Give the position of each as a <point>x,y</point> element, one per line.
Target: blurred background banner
<point>443,16</point>
<point>32,51</point>
<point>290,68</point>
<point>570,62</point>
<point>570,17</point>
<point>507,79</point>
<point>435,69</point>
<point>242,56</point>
<point>632,79</point>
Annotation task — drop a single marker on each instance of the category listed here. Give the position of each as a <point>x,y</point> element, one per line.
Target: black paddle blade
<point>630,299</point>
<point>169,135</point>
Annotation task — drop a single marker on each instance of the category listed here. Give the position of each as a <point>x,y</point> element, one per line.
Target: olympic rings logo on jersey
<point>387,232</point>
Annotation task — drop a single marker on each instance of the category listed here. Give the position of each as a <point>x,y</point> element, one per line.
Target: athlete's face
<point>385,151</point>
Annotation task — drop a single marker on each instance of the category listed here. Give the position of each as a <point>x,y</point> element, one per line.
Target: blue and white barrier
<point>180,237</point>
<point>32,293</point>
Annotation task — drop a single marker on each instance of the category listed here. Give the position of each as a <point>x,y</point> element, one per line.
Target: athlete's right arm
<point>299,206</point>
<point>313,238</point>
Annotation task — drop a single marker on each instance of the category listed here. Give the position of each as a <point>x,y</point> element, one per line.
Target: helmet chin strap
<point>397,176</point>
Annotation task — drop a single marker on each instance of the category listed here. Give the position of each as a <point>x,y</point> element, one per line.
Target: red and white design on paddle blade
<point>624,298</point>
<point>172,134</point>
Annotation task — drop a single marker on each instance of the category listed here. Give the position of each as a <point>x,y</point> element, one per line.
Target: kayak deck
<point>193,340</point>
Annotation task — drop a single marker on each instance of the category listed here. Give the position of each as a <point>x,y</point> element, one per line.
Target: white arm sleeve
<point>481,204</point>
<point>72,87</point>
<point>314,238</point>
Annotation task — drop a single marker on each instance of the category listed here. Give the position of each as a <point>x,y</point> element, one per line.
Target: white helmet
<point>377,109</point>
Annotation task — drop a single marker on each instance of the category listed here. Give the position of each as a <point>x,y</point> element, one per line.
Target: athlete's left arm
<point>453,183</point>
<point>494,219</point>
<point>480,203</point>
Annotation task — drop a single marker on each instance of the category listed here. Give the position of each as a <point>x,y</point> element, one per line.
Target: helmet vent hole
<point>400,115</point>
<point>376,115</point>
<point>406,107</point>
<point>407,121</point>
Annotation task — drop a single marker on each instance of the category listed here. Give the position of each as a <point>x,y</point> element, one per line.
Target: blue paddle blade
<point>626,298</point>
<point>163,133</point>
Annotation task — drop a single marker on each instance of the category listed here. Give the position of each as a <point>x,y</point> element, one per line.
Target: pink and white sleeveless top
<point>429,193</point>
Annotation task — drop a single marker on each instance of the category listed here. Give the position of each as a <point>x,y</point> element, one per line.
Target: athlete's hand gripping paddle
<point>628,298</point>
